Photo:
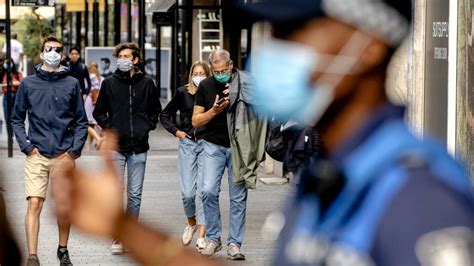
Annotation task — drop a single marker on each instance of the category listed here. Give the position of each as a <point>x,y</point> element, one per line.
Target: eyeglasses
<point>221,71</point>
<point>57,49</point>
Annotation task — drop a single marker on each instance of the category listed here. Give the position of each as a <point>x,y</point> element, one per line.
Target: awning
<point>161,6</point>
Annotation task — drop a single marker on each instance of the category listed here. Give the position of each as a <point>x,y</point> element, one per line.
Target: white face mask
<point>197,80</point>
<point>124,65</point>
<point>52,58</point>
<point>283,84</point>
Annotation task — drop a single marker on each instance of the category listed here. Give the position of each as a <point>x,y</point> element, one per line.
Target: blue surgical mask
<point>223,78</point>
<point>283,84</point>
<point>5,66</point>
<point>124,64</point>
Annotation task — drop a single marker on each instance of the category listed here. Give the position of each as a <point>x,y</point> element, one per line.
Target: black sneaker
<point>33,261</point>
<point>63,256</point>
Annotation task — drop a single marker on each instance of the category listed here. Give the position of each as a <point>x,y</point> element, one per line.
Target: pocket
<point>213,150</point>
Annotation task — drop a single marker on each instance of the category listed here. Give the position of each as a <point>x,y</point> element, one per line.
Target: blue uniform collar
<point>381,116</point>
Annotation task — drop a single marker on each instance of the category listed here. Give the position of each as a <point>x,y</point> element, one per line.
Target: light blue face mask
<point>283,85</point>
<point>282,77</point>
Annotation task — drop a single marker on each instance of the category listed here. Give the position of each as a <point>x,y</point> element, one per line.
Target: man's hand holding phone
<point>220,104</point>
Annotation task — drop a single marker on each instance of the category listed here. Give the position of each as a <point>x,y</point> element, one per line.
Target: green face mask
<point>223,78</point>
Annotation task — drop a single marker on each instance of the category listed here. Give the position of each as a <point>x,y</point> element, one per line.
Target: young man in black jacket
<point>128,104</point>
<point>57,132</point>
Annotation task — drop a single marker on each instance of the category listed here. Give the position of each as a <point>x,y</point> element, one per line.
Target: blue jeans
<point>135,176</point>
<point>190,177</point>
<point>5,109</point>
<point>214,159</point>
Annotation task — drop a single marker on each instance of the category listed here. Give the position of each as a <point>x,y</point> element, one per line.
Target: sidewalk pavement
<point>161,208</point>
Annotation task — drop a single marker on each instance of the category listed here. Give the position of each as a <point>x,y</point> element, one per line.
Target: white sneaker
<point>233,252</point>
<point>200,244</point>
<point>188,234</point>
<point>116,248</point>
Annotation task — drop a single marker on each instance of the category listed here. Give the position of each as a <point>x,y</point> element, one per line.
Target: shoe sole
<point>117,252</point>
<point>236,257</point>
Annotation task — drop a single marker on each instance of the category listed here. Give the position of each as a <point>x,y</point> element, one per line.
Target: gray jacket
<point>247,130</point>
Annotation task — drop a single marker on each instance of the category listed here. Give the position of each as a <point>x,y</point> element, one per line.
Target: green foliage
<point>36,30</point>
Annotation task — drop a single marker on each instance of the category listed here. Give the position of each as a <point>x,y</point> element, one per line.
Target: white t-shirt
<point>16,50</point>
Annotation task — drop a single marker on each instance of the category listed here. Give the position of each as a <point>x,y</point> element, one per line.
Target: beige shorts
<point>39,169</point>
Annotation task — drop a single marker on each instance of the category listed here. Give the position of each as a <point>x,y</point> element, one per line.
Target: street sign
<point>33,3</point>
<point>436,68</point>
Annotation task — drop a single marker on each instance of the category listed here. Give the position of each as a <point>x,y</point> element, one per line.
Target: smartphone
<point>220,101</point>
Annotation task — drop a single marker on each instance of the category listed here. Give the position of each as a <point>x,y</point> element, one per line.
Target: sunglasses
<point>48,49</point>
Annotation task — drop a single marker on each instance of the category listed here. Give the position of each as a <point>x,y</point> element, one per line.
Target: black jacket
<point>80,72</point>
<point>56,116</point>
<point>183,102</point>
<point>131,107</point>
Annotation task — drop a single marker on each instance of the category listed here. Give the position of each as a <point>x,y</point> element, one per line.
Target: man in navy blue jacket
<point>57,132</point>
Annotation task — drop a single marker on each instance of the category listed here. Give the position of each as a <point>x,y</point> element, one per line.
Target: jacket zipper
<point>131,112</point>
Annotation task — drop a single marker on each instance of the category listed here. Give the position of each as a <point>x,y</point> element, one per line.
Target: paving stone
<point>161,208</point>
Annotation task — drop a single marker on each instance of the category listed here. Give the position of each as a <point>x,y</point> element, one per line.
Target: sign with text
<point>436,69</point>
<point>33,3</point>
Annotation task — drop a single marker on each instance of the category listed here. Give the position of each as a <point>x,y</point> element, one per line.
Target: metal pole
<point>86,24</point>
<point>78,29</point>
<point>106,23</point>
<point>141,26</point>
<point>95,23</point>
<point>9,78</point>
<point>117,7</point>
<point>175,45</point>
<point>129,20</point>
<point>189,35</point>
<point>158,59</point>
<point>63,25</point>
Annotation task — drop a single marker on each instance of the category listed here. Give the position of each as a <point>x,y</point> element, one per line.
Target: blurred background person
<point>189,165</point>
<point>94,130</point>
<point>16,51</point>
<point>17,77</point>
<point>78,70</point>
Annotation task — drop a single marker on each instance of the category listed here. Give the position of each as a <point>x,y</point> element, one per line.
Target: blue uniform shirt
<point>384,198</point>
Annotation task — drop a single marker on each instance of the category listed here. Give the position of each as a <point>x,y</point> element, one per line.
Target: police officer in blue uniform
<point>378,195</point>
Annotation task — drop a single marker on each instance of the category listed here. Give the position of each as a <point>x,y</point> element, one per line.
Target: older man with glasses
<point>210,110</point>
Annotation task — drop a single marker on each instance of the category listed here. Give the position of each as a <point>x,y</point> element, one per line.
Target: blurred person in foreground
<point>57,131</point>
<point>189,160</point>
<point>10,253</point>
<point>377,195</point>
